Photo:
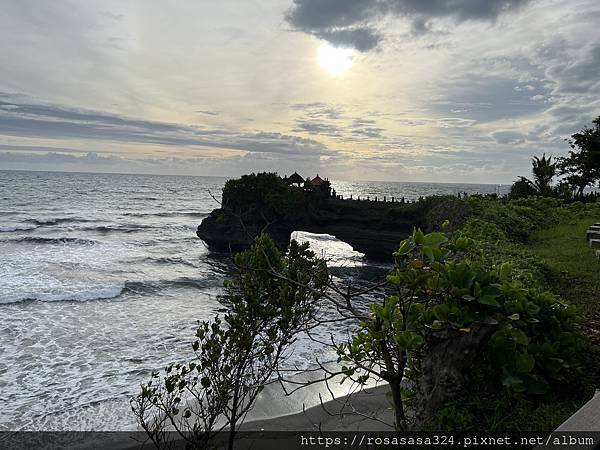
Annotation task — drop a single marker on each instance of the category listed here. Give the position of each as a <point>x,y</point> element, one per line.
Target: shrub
<point>517,218</point>
<point>270,300</point>
<point>521,188</point>
<point>447,311</point>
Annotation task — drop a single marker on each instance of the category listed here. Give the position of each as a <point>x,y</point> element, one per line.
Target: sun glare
<point>335,60</point>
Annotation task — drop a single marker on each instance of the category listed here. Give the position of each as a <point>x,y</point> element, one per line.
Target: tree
<point>521,188</point>
<point>272,298</point>
<point>582,165</point>
<point>265,192</point>
<point>544,170</point>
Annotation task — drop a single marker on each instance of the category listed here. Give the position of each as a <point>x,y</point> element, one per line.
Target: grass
<point>575,268</point>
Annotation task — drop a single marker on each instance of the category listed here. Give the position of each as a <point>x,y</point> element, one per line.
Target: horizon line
<point>230,177</point>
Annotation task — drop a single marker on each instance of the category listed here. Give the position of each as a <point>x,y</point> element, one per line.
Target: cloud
<point>170,165</point>
<point>362,39</point>
<point>55,158</point>
<point>319,110</point>
<point>443,122</point>
<point>207,112</point>
<point>353,23</point>
<point>316,127</point>
<point>508,137</point>
<point>47,121</point>
<point>538,98</point>
<point>580,74</point>
<point>484,96</point>
<point>527,87</point>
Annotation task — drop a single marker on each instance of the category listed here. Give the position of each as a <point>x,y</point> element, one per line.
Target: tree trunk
<point>393,375</point>
<point>233,420</point>
<point>449,356</point>
<point>399,416</point>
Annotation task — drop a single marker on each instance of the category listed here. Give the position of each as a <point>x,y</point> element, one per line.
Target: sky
<point>391,90</point>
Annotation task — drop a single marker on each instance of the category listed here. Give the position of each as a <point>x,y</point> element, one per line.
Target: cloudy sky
<point>423,90</point>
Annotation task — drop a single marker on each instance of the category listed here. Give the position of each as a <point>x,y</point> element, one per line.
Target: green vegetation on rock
<point>265,192</point>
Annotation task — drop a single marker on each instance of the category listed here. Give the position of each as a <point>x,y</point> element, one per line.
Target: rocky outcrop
<point>372,228</point>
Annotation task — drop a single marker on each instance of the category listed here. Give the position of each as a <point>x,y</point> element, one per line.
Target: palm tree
<point>544,170</point>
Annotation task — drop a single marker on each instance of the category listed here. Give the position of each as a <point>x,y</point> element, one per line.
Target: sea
<point>103,280</point>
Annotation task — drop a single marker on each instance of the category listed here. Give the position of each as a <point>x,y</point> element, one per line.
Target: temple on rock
<point>321,186</point>
<point>294,178</point>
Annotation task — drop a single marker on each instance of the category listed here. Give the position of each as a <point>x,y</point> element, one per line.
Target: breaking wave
<point>112,291</point>
<point>58,220</point>
<point>12,229</point>
<point>57,241</point>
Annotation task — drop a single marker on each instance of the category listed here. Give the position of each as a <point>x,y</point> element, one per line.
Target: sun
<point>335,60</point>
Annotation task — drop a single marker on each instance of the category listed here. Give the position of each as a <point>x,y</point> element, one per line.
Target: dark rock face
<point>372,228</point>
<point>223,231</point>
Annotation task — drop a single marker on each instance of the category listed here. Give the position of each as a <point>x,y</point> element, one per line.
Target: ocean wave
<point>118,229</point>
<point>167,261</point>
<point>145,287</point>
<point>82,295</point>
<point>61,240</point>
<point>58,220</point>
<point>11,229</point>
<point>168,214</point>
<point>112,291</point>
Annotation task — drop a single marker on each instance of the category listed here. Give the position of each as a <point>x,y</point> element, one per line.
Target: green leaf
<point>428,253</point>
<point>393,279</point>
<point>437,325</point>
<point>535,384</point>
<point>435,239</point>
<point>462,243</point>
<point>524,362</point>
<point>489,300</point>
<point>511,380</point>
<point>505,270</point>
<point>409,340</point>
<point>419,237</point>
<point>519,336</point>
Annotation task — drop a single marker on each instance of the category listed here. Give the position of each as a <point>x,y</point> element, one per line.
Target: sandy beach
<point>367,410</point>
<point>362,411</point>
